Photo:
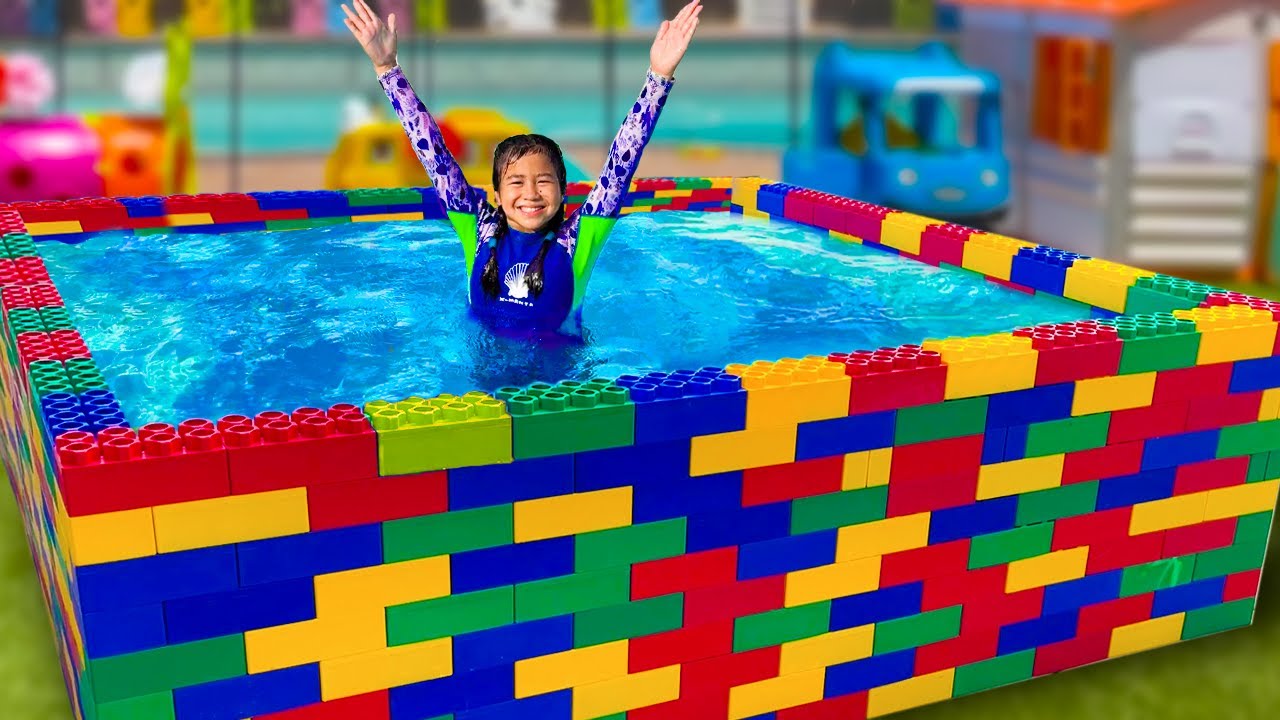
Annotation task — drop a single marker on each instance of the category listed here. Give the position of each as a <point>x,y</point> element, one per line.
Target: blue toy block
<point>706,205</point>
<point>993,442</point>
<point>1043,268</point>
<point>552,706</point>
<point>1033,405</point>
<point>862,675</point>
<point>1015,442</point>
<point>631,465</point>
<point>454,693</point>
<point>1138,488</point>
<point>889,603</point>
<point>251,608</point>
<point>218,229</point>
<point>488,485</point>
<point>511,564</point>
<point>249,695</point>
<point>666,498</point>
<point>154,579</point>
<point>1253,375</point>
<point>511,643</point>
<point>739,526</point>
<point>116,632</point>
<point>1088,590</point>
<point>317,203</point>
<point>310,554</point>
<point>1174,450</point>
<point>967,521</point>
<point>787,554</point>
<point>142,207</point>
<point>634,195</point>
<point>1185,598</point>
<point>772,198</point>
<point>685,404</point>
<point>1037,631</point>
<point>843,435</point>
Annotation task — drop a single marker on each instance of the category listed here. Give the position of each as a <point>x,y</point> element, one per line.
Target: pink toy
<point>100,16</point>
<point>28,84</point>
<point>310,17</point>
<point>48,159</point>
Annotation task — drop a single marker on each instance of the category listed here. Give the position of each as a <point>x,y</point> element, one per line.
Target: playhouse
<point>1138,128</point>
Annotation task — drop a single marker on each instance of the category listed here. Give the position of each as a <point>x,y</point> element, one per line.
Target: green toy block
<point>418,435</point>
<point>630,620</point>
<point>1236,440</point>
<point>153,671</point>
<point>1163,293</point>
<point>1218,618</point>
<point>18,245</point>
<point>451,615</point>
<point>604,549</point>
<point>382,196</point>
<point>1155,342</point>
<point>158,706</point>
<point>1246,553</point>
<point>1258,467</point>
<point>835,510</point>
<point>573,593</point>
<point>1158,575</point>
<point>24,320</point>
<point>993,673</point>
<point>306,223</point>
<point>779,626</point>
<point>49,376</point>
<point>56,318</point>
<point>1068,435</point>
<point>1045,505</point>
<point>1273,466</point>
<point>152,231</point>
<point>941,421</point>
<point>448,533</point>
<point>1010,545</point>
<point>571,417</point>
<point>917,630</point>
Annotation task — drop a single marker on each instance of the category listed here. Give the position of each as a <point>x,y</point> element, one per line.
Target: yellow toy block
<point>879,462</point>
<point>882,537</point>
<point>231,519</point>
<point>855,471</point>
<point>1020,476</point>
<point>844,237</point>
<point>381,586</point>
<point>1042,570</point>
<point>828,582</point>
<point>1102,283</point>
<point>387,217</point>
<point>112,536</point>
<point>1231,332</point>
<point>744,192</point>
<point>1120,392</point>
<point>565,515</point>
<point>187,219</point>
<point>420,435</point>
<point>793,390</point>
<point>902,231</point>
<point>309,641</point>
<point>823,651</point>
<point>991,255</point>
<point>133,18</point>
<point>385,668</point>
<point>986,365</point>
<point>785,691</point>
<point>1240,500</point>
<point>208,18</point>
<point>1270,409</point>
<point>58,227</point>
<point>913,693</point>
<point>1167,513</point>
<point>571,668</point>
<point>726,452</point>
<point>1146,635</point>
<point>628,692</point>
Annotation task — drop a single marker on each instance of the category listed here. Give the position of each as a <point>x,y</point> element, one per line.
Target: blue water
<point>205,325</point>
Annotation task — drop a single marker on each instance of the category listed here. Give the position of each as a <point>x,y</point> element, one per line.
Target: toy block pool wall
<point>791,538</point>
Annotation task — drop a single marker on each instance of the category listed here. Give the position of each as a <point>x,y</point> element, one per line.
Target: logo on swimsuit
<point>517,288</point>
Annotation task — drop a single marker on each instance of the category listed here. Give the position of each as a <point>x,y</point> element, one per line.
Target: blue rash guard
<point>516,307</point>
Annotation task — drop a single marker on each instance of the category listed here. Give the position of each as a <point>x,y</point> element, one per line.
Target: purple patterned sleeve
<point>446,175</point>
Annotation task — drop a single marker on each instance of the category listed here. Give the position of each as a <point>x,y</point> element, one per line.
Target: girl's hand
<point>376,37</point>
<point>673,39</point>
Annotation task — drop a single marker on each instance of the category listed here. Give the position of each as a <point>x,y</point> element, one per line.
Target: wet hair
<point>507,152</point>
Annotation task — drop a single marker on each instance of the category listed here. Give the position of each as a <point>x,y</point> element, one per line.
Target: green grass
<point>1234,675</point>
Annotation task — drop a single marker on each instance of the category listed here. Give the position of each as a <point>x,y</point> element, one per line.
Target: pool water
<point>190,325</point>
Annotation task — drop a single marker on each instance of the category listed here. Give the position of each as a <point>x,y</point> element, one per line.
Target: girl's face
<point>530,192</point>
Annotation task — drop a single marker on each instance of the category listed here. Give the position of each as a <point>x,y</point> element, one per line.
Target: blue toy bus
<point>917,131</point>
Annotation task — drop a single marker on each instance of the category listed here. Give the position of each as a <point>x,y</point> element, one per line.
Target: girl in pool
<point>527,264</point>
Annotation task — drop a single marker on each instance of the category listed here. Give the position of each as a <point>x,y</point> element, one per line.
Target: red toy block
<point>727,602</point>
<point>762,486</point>
<point>968,647</point>
<point>283,214</point>
<point>1101,463</point>
<point>44,211</point>
<point>798,206</point>
<point>1193,382</point>
<point>943,591</point>
<point>996,611</point>
<point>708,568</point>
<point>843,707</point>
<point>705,684</point>
<point>832,214</point>
<point>1107,616</point>
<point>60,345</point>
<point>709,194</point>
<point>235,208</point>
<point>944,244</point>
<point>641,185</point>
<point>1210,475</point>
<point>1147,422</point>
<point>892,378</point>
<point>377,499</point>
<point>682,645</point>
<point>275,451</point>
<point>1192,539</point>
<point>98,214</point>
<point>953,458</point>
<point>932,560</point>
<point>23,271</point>
<point>865,220</point>
<point>909,498</point>
<point>1073,351</point>
<point>1207,413</point>
<point>121,470</point>
<point>1122,553</point>
<point>1241,585</point>
<point>1076,652</point>
<point>1100,527</point>
<point>371,706</point>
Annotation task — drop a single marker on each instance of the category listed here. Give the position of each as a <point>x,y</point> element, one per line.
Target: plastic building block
<point>250,695</point>
<point>231,519</point>
<point>1074,351</point>
<point>150,580</point>
<point>310,554</point>
<point>793,390</point>
<point>992,255</point>
<point>167,668</point>
<point>685,404</point>
<point>572,514</point>
<point>418,435</point>
<point>1162,293</point>
<point>1043,268</point>
<point>1101,283</point>
<point>448,533</point>
<point>371,500</point>
<point>1231,332</point>
<point>845,435</point>
<point>903,231</point>
<point>215,615</point>
<point>805,478</point>
<point>986,365</point>
<point>108,537</point>
<point>892,378</point>
<point>1156,342</point>
<point>568,418</point>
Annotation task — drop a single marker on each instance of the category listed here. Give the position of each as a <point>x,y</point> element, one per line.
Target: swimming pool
<point>847,530</point>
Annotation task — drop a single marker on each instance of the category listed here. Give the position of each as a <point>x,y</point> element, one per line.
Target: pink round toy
<point>48,159</point>
<point>100,16</point>
<point>310,17</point>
